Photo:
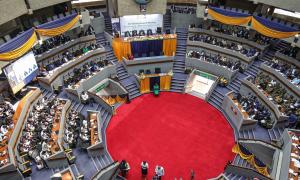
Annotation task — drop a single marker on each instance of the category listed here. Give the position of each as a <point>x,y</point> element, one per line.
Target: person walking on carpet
<point>144,168</point>
<point>159,171</point>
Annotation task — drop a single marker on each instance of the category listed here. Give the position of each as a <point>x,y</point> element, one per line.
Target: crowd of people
<point>291,52</point>
<point>57,41</point>
<point>72,128</point>
<point>255,109</point>
<point>237,47</point>
<point>217,59</point>
<point>184,10</point>
<point>287,104</point>
<point>6,124</point>
<point>36,139</point>
<point>66,57</point>
<point>86,71</point>
<point>241,32</point>
<point>289,71</point>
<point>50,44</point>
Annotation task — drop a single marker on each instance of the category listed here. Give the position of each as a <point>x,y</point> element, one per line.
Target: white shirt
<point>159,171</point>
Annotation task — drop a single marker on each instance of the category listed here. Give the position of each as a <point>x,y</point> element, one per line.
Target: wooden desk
<point>239,106</point>
<point>56,126</point>
<point>292,164</point>
<point>66,176</point>
<point>94,128</point>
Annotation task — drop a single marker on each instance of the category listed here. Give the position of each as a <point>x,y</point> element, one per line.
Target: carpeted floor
<point>178,131</point>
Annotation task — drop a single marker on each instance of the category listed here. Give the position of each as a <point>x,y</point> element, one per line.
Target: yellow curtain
<point>121,48</point>
<point>58,30</point>
<point>165,82</point>
<point>250,159</point>
<point>270,32</point>
<point>111,100</point>
<point>169,46</point>
<point>120,100</point>
<point>19,51</point>
<point>229,20</point>
<point>145,85</point>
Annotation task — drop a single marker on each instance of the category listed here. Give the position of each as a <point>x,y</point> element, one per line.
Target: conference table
<point>294,169</point>
<point>239,106</point>
<point>147,81</point>
<point>145,46</point>
<point>94,128</point>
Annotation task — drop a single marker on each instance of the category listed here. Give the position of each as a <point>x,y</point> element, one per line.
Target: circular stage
<point>177,131</point>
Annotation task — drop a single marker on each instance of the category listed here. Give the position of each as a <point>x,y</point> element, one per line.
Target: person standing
<point>124,167</point>
<point>144,168</point>
<point>159,171</point>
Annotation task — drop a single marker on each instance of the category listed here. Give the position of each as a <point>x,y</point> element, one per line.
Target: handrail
<point>247,169</point>
<point>105,168</point>
<point>259,140</point>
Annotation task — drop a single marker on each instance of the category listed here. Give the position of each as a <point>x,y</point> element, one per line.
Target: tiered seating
<point>255,109</point>
<point>50,43</point>
<point>86,71</point>
<point>289,71</point>
<point>216,59</point>
<point>183,9</point>
<point>241,32</point>
<point>291,51</point>
<point>236,47</point>
<point>66,58</point>
<point>6,128</point>
<point>287,103</point>
<point>57,41</point>
<point>72,128</point>
<point>40,134</point>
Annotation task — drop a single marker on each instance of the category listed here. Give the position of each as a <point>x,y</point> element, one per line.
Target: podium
<point>157,82</point>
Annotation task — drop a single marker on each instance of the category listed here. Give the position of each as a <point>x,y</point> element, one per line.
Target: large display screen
<point>21,72</point>
<point>141,22</point>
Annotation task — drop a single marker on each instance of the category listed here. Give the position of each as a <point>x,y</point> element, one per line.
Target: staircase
<point>167,19</point>
<point>275,133</point>
<point>239,161</point>
<point>217,96</point>
<point>128,82</point>
<point>107,21</point>
<point>179,77</point>
<point>232,176</point>
<point>110,56</point>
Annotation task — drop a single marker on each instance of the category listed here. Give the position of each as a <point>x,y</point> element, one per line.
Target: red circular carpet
<point>177,131</point>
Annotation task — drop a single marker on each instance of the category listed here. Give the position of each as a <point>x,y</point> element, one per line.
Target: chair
<point>127,34</point>
<point>157,70</point>
<point>142,33</point>
<point>168,31</point>
<point>158,30</point>
<point>134,33</point>
<point>142,71</point>
<point>149,32</point>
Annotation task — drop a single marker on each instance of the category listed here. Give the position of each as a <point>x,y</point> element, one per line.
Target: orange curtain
<point>121,48</point>
<point>145,85</point>
<point>169,46</point>
<point>165,82</point>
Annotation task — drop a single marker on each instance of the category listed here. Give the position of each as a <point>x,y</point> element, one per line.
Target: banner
<point>141,22</point>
